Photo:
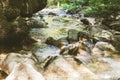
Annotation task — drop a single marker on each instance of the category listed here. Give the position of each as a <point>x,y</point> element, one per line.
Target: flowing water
<point>106,68</point>
<point>57,28</point>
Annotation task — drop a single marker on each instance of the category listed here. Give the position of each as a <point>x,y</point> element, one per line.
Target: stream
<point>57,28</point>
<point>106,68</point>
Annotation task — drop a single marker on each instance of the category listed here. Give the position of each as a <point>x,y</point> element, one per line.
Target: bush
<point>88,10</point>
<point>68,6</point>
<point>98,7</point>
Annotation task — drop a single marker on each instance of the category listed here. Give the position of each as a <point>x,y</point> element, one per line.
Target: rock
<point>96,52</point>
<point>3,74</point>
<point>99,33</point>
<point>115,25</point>
<point>9,11</point>
<point>89,46</point>
<point>63,41</point>
<point>77,48</point>
<point>63,15</point>
<point>68,68</point>
<point>103,49</point>
<point>65,49</point>
<point>58,43</point>
<point>72,35</point>
<point>107,34</point>
<point>112,24</point>
<point>60,71</point>
<point>26,8</point>
<point>82,35</point>
<point>53,14</point>
<point>85,57</point>
<point>14,29</point>
<point>25,72</point>
<point>21,67</point>
<point>116,41</point>
<point>48,61</point>
<point>108,53</point>
<point>98,21</point>
<point>85,21</point>
<point>88,21</point>
<point>105,46</point>
<point>13,33</point>
<point>37,22</point>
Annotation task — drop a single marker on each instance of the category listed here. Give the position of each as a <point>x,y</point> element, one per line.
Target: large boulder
<point>21,67</point>
<point>14,29</point>
<point>13,33</point>
<point>9,11</point>
<point>26,7</point>
<point>67,68</point>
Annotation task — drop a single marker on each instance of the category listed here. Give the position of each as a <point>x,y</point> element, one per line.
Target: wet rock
<point>98,21</point>
<point>59,71</point>
<point>51,13</point>
<point>76,16</point>
<point>105,46</point>
<point>82,44</point>
<point>99,33</point>
<point>112,24</point>
<point>85,21</point>
<point>104,35</point>
<point>21,66</point>
<point>103,49</point>
<point>72,35</point>
<point>54,12</point>
<point>63,40</point>
<point>38,20</point>
<point>85,57</point>
<point>3,74</point>
<point>37,23</point>
<point>88,21</point>
<point>65,49</point>
<point>115,25</point>
<point>96,52</point>
<point>51,41</point>
<point>96,39</point>
<point>48,61</point>
<point>82,35</point>
<point>108,53</point>
<point>58,43</point>
<point>63,15</point>
<point>77,48</point>
<point>116,41</point>
<point>67,68</point>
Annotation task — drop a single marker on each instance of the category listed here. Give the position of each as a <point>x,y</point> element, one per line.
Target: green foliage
<point>105,7</point>
<point>98,7</point>
<point>88,10</point>
<point>68,6</point>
